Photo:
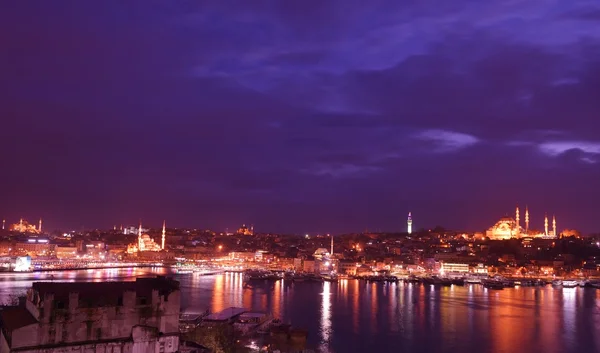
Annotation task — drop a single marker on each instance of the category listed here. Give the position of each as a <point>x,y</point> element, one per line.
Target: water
<point>355,316</point>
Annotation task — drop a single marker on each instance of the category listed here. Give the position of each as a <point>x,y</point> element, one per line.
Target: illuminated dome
<point>505,228</point>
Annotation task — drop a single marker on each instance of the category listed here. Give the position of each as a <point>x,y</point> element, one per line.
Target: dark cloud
<point>299,117</point>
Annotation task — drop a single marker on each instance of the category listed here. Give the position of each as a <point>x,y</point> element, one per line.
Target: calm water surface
<point>355,316</point>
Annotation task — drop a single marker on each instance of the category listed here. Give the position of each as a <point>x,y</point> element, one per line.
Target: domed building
<point>145,243</point>
<point>505,228</point>
<point>508,227</point>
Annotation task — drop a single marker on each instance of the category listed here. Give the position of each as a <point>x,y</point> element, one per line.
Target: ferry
<point>253,275</point>
<point>330,278</point>
<point>568,283</point>
<point>493,284</point>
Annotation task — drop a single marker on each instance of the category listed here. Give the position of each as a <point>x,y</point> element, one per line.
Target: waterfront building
<point>448,268</point>
<point>140,316</point>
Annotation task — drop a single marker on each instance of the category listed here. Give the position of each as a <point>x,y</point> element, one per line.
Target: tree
<point>219,338</point>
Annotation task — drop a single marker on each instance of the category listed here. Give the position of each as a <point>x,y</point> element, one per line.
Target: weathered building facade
<point>116,317</point>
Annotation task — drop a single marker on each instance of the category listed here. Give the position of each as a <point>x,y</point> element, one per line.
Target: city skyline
<point>299,120</point>
<point>542,226</point>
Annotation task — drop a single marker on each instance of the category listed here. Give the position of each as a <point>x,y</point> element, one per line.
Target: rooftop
<point>225,314</point>
<point>250,315</point>
<point>105,293</point>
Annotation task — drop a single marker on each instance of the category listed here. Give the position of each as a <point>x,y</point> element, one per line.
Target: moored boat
<point>493,284</point>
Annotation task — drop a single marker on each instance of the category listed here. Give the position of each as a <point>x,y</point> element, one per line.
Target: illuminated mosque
<point>508,227</point>
<point>145,243</point>
<point>24,227</point>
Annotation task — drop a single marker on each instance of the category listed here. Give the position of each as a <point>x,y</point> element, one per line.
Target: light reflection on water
<point>353,316</point>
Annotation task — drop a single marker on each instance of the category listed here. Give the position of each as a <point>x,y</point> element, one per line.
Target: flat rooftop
<point>105,293</point>
<point>250,315</point>
<point>225,314</point>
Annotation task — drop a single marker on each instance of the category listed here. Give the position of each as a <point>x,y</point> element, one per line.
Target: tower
<point>554,226</point>
<point>331,252</point>
<point>3,223</point>
<point>140,243</point>
<point>409,223</point>
<point>546,225</point>
<point>21,224</point>
<point>40,226</point>
<point>164,232</point>
<point>517,219</point>
<point>526,219</point>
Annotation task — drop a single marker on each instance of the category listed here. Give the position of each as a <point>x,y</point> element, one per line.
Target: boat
<point>432,280</point>
<point>391,279</point>
<point>458,281</point>
<point>299,277</point>
<point>493,284</point>
<point>313,278</point>
<point>446,282</point>
<point>184,271</point>
<point>259,275</point>
<point>569,283</point>
<point>557,283</point>
<point>330,278</point>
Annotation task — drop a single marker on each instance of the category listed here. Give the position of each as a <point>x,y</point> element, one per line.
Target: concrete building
<point>140,316</point>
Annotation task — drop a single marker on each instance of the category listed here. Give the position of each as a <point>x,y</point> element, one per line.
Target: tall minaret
<point>517,219</point>
<point>546,225</point>
<point>554,226</point>
<point>140,244</point>
<point>331,252</point>
<point>40,226</point>
<point>21,224</point>
<point>409,223</point>
<point>164,233</point>
<point>526,219</point>
<point>3,223</point>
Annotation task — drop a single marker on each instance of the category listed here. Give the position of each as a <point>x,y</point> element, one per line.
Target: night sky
<point>300,116</point>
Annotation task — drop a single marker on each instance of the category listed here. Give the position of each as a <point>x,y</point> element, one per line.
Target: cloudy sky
<point>300,116</point>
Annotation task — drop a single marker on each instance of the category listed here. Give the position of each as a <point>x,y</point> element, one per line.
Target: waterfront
<point>358,316</point>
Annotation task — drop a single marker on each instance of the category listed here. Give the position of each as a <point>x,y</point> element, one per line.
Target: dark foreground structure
<point>116,317</point>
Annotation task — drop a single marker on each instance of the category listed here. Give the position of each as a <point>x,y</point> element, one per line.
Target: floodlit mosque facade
<point>145,243</point>
<point>508,227</point>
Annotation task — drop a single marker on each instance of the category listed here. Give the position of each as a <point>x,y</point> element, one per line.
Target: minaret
<point>40,226</point>
<point>409,223</point>
<point>140,245</point>
<point>164,233</point>
<point>21,224</point>
<point>3,223</point>
<point>546,225</point>
<point>331,252</point>
<point>517,219</point>
<point>554,226</point>
<point>526,220</point>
